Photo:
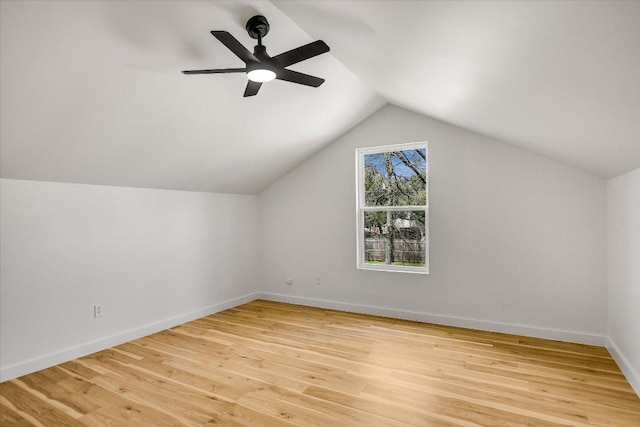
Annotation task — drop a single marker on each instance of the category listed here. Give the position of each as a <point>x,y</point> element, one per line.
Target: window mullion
<point>394,208</point>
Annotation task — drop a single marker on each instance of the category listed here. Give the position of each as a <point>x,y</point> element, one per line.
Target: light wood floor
<point>272,364</point>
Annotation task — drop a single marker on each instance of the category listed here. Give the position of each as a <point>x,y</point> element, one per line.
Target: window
<point>393,208</point>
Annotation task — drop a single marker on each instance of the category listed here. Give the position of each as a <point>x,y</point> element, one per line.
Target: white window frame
<point>361,208</point>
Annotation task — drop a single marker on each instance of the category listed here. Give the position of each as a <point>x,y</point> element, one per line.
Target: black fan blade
<point>216,71</point>
<point>301,53</point>
<point>234,46</point>
<point>300,78</point>
<point>252,88</point>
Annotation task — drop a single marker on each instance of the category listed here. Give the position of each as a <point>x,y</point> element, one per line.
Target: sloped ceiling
<point>91,90</point>
<point>559,78</point>
<point>92,93</point>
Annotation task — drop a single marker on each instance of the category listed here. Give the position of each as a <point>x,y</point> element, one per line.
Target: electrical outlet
<point>97,310</point>
<point>318,280</point>
<point>288,280</point>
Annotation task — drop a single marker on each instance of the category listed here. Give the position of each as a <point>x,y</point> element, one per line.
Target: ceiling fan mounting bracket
<point>257,27</point>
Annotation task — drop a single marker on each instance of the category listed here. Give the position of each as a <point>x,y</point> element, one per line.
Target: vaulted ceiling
<point>91,91</point>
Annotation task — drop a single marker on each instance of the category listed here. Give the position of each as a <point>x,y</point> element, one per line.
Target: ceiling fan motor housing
<point>260,52</point>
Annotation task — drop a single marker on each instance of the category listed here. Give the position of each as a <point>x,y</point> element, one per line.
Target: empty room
<point>319,213</point>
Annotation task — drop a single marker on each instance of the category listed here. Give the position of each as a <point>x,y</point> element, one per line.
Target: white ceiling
<point>559,78</point>
<point>91,91</point>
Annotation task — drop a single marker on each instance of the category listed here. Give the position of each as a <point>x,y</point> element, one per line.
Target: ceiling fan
<point>260,67</point>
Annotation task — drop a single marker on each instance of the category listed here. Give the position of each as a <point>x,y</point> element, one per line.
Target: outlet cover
<point>97,310</point>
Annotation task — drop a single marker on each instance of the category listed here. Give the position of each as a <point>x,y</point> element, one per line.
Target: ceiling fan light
<point>261,75</point>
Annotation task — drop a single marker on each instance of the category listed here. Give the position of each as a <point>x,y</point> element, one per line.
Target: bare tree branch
<point>403,158</point>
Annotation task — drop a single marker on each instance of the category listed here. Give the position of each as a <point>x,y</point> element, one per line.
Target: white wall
<point>518,242</point>
<point>623,228</point>
<point>154,258</point>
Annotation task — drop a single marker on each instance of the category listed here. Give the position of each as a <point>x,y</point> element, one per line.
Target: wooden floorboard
<point>273,364</point>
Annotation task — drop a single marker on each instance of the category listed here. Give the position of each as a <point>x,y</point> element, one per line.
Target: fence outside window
<point>404,251</point>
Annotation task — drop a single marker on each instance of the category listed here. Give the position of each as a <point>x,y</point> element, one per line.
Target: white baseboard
<point>623,363</point>
<point>553,334</point>
<point>36,364</point>
<point>52,359</point>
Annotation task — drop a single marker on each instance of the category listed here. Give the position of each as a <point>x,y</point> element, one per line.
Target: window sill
<point>394,269</point>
